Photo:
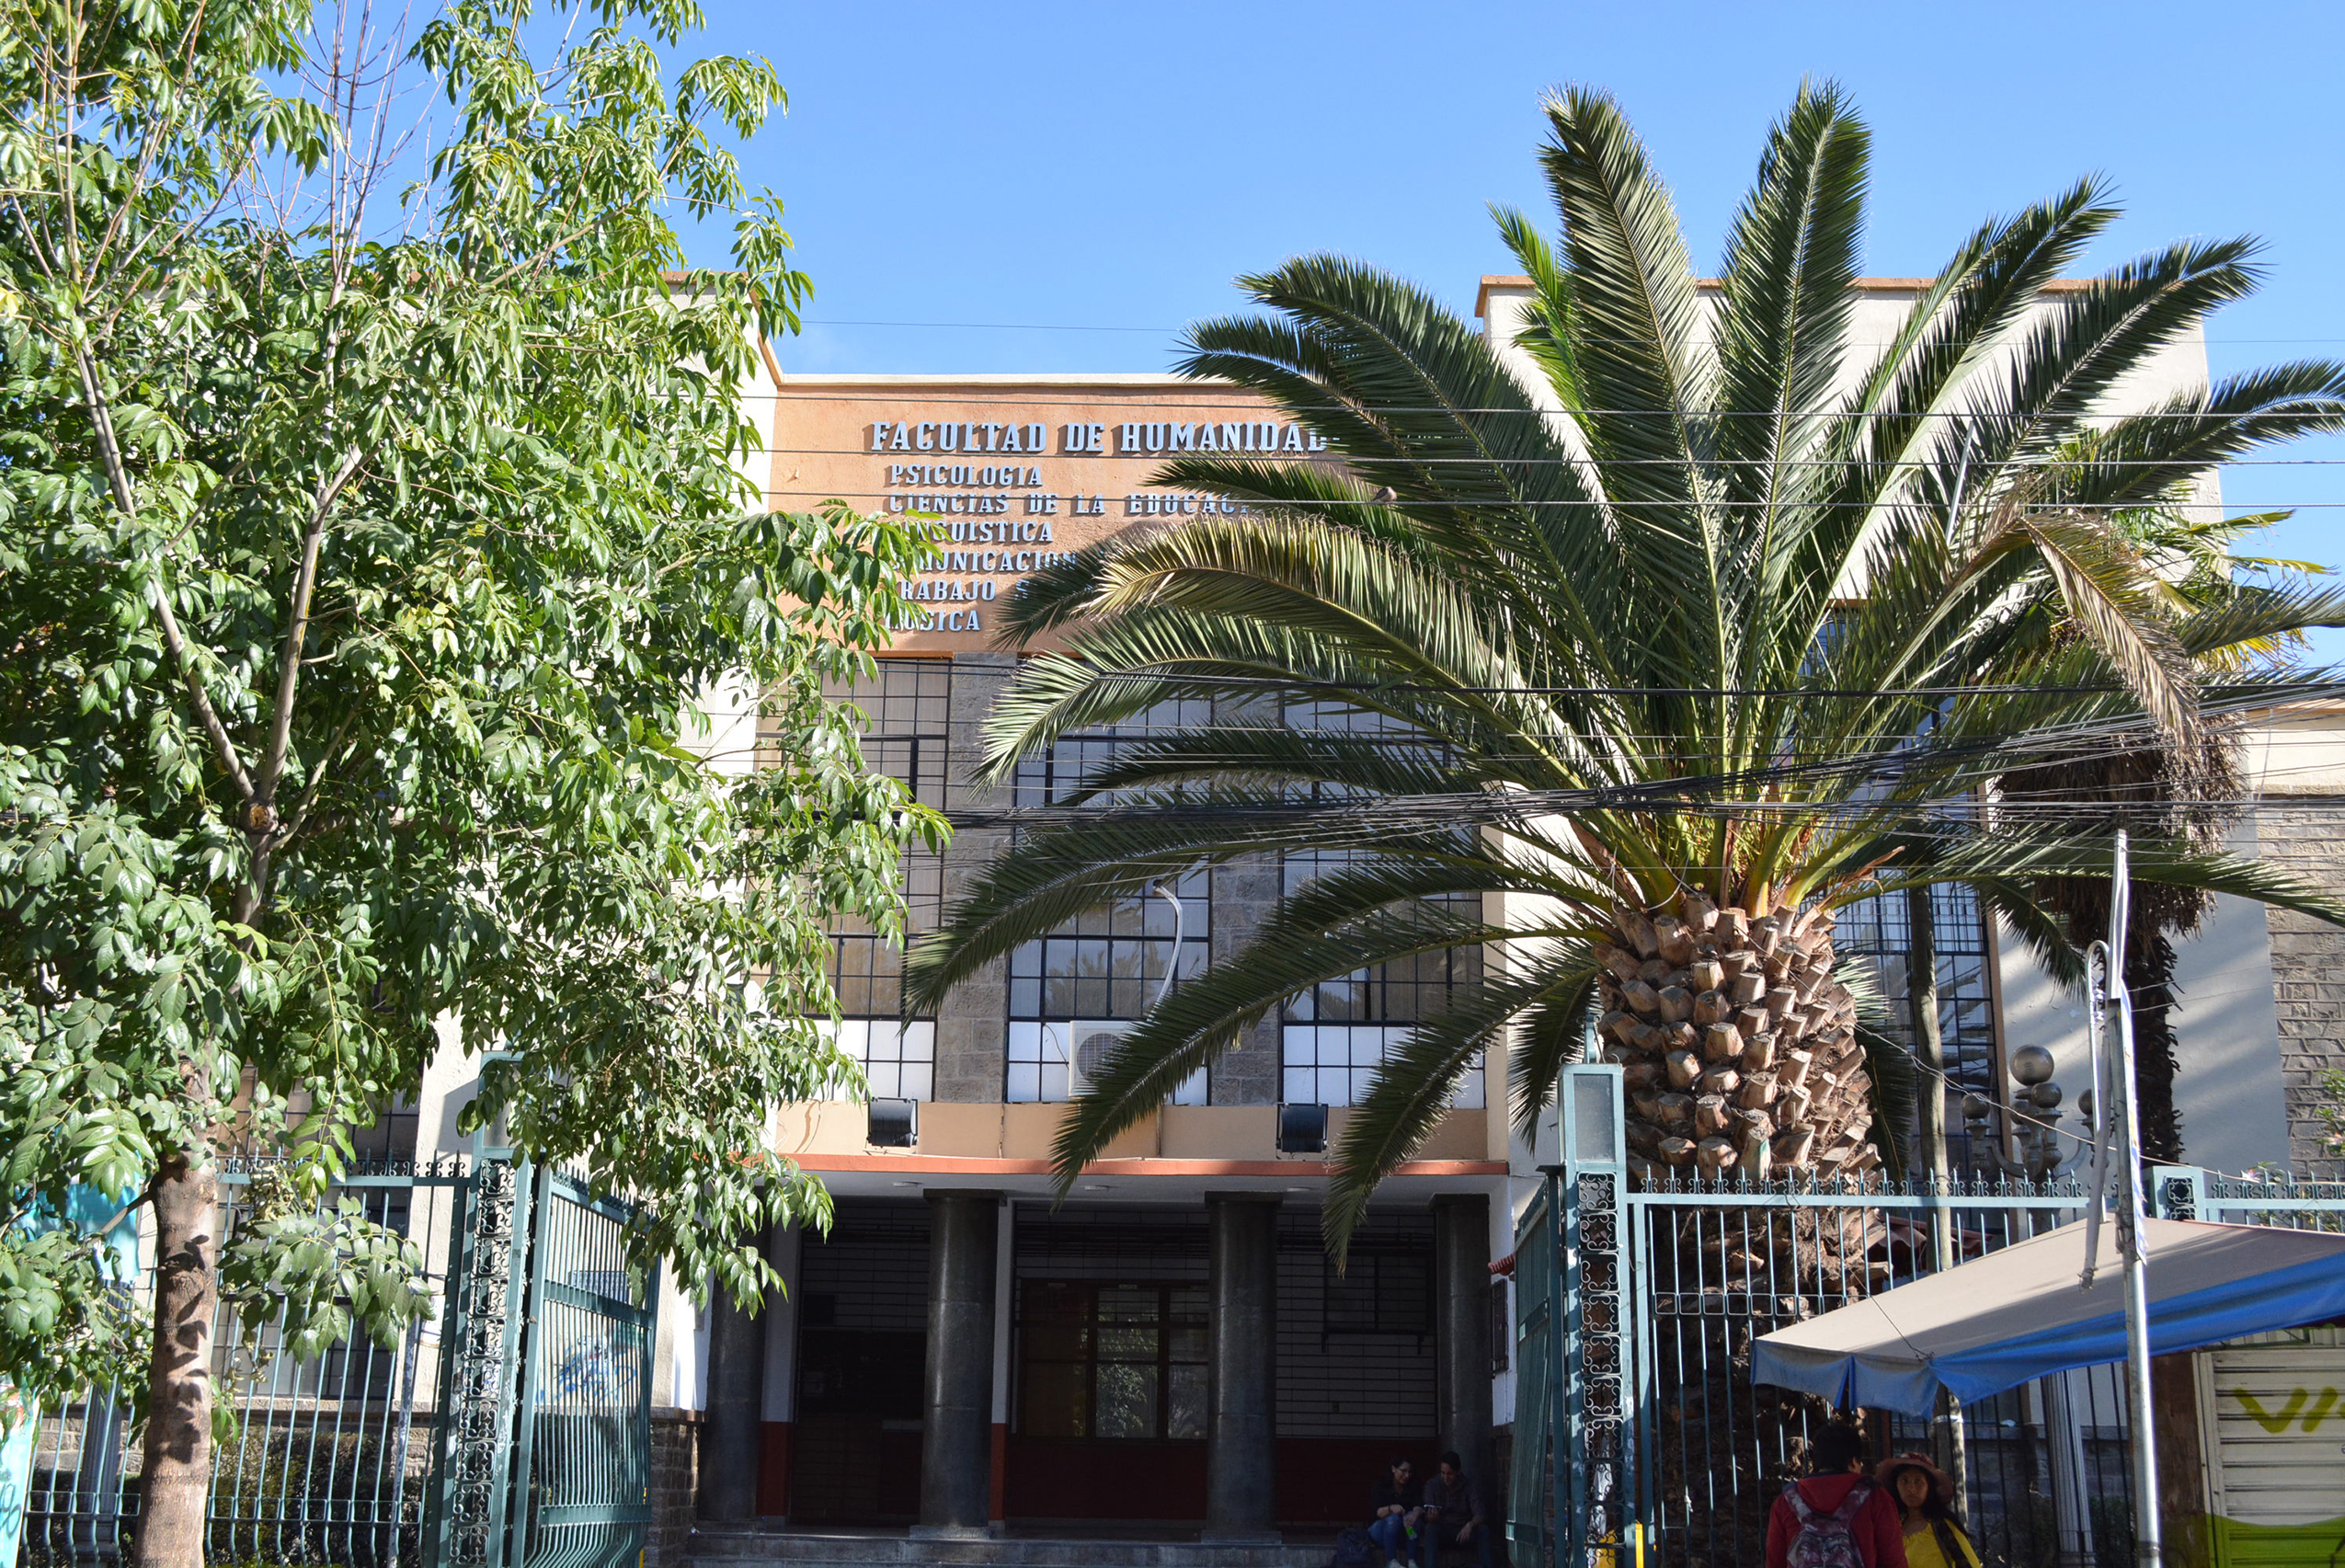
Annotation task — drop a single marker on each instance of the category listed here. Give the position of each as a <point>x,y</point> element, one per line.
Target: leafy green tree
<point>1652,665</point>
<point>366,569</point>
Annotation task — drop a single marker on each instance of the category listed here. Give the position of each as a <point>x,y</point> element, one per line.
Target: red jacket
<point>1879,1533</point>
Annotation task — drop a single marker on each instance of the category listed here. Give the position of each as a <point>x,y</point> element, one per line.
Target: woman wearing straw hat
<point>1934,1533</point>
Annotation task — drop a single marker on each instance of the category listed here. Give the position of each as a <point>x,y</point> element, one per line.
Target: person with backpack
<point>1835,1518</point>
<point>1934,1534</point>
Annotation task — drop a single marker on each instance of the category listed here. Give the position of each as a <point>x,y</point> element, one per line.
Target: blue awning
<point>1995,1323</point>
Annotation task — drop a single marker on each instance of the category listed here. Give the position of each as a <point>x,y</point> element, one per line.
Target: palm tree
<point>2189,792</point>
<point>1648,648</point>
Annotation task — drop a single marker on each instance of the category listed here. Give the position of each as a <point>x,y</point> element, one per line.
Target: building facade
<point>1171,1344</point>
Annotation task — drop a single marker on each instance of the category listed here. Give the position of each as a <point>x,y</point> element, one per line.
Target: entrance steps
<point>747,1546</point>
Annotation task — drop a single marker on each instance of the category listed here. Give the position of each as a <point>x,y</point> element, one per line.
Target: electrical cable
<point>2189,464</point>
<point>1068,327</point>
<point>1059,393</point>
<point>1259,508</point>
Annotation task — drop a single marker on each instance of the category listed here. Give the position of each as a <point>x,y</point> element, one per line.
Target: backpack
<point>1354,1549</point>
<point>1825,1540</point>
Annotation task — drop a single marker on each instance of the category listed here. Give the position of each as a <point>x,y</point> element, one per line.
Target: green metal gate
<point>1640,1437</point>
<point>546,1456</point>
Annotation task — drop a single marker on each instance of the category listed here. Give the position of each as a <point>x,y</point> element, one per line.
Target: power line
<point>1257,506</point>
<point>2295,692</point>
<point>1024,459</point>
<point>1084,326</point>
<point>1060,393</point>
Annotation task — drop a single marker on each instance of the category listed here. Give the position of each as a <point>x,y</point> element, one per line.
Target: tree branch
<point>118,479</point>
<point>297,617</point>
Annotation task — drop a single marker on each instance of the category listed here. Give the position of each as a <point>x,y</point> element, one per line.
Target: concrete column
<point>1242,1426</point>
<point>970,1037</point>
<point>731,1436</point>
<point>1005,1269</point>
<point>957,1447</point>
<point>785,1248</point>
<point>1461,1328</point>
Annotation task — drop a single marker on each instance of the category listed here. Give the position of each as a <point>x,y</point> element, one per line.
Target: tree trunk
<point>1738,1047</point>
<point>1929,1045</point>
<point>178,1450</point>
<point>2149,976</point>
<point>1929,1139</point>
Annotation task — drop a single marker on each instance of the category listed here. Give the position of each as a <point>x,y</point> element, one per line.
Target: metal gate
<point>546,1461</point>
<point>1641,1437</point>
<point>513,1431</point>
<point>1648,1443</point>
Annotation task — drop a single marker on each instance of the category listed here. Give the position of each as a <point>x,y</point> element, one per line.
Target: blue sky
<point>1052,170</point>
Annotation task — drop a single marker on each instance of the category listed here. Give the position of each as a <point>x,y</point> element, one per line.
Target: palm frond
<point>1411,1090</point>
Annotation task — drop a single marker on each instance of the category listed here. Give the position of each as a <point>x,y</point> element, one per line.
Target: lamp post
<point>2037,1141</point>
<point>2122,1094</point>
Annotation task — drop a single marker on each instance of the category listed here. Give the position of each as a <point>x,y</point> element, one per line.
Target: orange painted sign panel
<point>1015,473</point>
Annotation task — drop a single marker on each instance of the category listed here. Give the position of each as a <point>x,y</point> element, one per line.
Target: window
<point>1111,1360</point>
<point>1335,1036</point>
<point>1381,1289</point>
<point>906,731</point>
<point>1876,929</point>
<point>1073,993</point>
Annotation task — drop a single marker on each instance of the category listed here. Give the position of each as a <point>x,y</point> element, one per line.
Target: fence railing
<point>532,1376</point>
<point>1641,1437</point>
<point>325,1459</point>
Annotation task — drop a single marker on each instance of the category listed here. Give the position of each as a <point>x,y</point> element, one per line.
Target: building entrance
<point>1106,1388</point>
<point>863,1344</point>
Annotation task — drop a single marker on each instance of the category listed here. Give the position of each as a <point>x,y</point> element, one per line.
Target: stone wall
<point>675,1481</point>
<point>2307,971</point>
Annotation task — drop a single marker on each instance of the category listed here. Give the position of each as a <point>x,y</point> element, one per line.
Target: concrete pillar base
<point>956,1532</point>
<point>1242,1538</point>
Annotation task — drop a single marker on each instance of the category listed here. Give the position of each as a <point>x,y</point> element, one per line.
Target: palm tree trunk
<point>1738,1048</point>
<point>177,1449</point>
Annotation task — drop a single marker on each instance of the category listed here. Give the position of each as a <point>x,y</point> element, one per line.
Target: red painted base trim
<point>774,1469</point>
<point>943,1164</point>
<point>998,1494</point>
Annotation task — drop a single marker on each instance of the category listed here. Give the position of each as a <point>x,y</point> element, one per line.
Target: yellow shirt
<point>1922,1550</point>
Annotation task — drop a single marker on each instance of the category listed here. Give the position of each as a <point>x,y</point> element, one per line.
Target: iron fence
<point>352,1457</point>
<point>322,1460</point>
<point>1641,1437</point>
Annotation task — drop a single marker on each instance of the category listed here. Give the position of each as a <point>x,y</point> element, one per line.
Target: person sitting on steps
<point>1396,1508</point>
<point>1454,1515</point>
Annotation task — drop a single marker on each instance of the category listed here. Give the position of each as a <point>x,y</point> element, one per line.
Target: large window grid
<point>1074,990</point>
<point>1110,1360</point>
<point>906,731</point>
<point>1877,930</point>
<point>1335,1036</point>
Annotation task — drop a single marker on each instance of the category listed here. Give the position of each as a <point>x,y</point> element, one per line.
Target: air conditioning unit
<point>1089,1044</point>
